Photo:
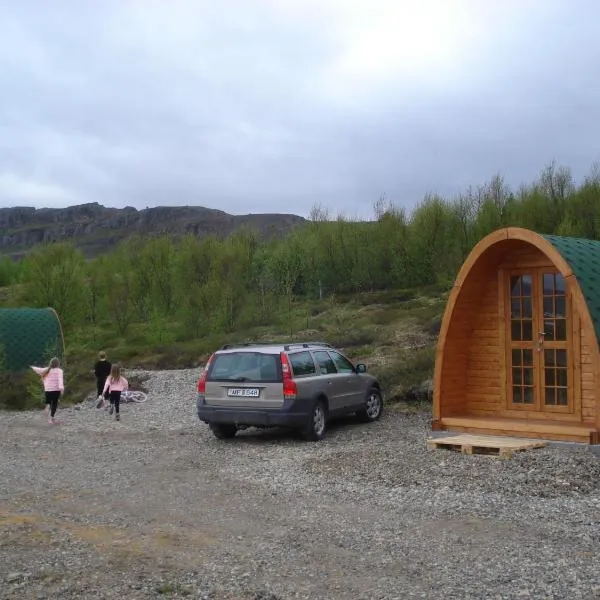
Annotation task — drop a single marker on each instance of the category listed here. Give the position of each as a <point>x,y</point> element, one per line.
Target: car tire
<point>223,431</point>
<point>316,425</point>
<point>373,407</point>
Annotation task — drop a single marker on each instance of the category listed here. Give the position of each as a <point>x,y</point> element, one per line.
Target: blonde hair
<point>53,364</point>
<point>115,373</point>
<point>102,355</point>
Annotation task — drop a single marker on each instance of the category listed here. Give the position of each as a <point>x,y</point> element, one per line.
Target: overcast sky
<point>280,105</point>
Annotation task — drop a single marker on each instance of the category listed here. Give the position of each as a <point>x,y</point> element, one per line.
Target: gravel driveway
<point>155,507</point>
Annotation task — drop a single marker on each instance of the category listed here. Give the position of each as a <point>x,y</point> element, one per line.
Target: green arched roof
<point>583,256</point>
<point>29,336</point>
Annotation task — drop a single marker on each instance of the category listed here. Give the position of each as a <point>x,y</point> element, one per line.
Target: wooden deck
<point>503,447</point>
<point>529,428</point>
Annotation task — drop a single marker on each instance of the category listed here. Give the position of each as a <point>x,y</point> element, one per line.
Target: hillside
<point>94,228</point>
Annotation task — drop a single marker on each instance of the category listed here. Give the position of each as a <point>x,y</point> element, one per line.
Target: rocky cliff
<point>94,228</point>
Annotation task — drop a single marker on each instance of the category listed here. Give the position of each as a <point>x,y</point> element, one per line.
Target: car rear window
<point>245,366</point>
<point>302,363</point>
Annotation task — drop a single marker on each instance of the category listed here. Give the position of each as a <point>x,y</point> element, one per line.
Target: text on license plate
<point>252,392</point>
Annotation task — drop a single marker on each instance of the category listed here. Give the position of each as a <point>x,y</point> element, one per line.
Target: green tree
<point>54,275</point>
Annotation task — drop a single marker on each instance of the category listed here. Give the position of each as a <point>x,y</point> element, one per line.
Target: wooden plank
<point>503,447</point>
<point>583,438</point>
<point>520,425</point>
<point>575,357</point>
<point>474,396</point>
<point>485,405</point>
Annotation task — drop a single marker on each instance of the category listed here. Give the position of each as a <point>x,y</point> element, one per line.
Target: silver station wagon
<point>298,385</point>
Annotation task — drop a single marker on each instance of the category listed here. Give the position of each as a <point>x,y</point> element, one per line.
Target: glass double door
<point>539,371</point>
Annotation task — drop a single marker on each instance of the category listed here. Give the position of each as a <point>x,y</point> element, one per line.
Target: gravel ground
<point>154,507</point>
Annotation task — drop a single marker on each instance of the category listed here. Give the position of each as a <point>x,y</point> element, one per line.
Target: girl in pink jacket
<point>52,378</point>
<point>115,384</point>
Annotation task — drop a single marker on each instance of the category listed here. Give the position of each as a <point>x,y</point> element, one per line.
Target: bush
<point>21,390</point>
<point>407,373</point>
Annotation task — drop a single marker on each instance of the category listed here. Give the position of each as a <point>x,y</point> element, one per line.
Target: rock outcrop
<point>94,228</point>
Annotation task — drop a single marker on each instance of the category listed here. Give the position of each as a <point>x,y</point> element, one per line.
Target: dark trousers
<point>100,381</point>
<point>115,399</point>
<point>52,400</point>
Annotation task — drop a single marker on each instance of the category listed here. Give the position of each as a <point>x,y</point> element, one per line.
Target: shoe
<point>117,417</point>
<point>100,402</point>
<point>111,409</point>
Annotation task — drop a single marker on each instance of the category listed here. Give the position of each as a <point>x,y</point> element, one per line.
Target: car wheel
<point>373,406</point>
<point>223,431</point>
<point>317,423</point>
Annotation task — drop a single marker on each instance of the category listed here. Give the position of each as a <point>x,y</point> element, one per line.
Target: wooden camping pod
<point>518,350</point>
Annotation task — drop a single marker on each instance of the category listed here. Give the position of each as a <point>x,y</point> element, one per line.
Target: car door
<point>333,387</point>
<point>352,387</point>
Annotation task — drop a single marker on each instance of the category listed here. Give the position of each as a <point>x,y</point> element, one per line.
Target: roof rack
<point>307,345</point>
<point>286,346</point>
<point>247,344</point>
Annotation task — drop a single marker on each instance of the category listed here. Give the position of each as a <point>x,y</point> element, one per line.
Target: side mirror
<point>361,368</point>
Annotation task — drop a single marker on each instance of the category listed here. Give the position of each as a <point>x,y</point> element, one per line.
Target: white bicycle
<point>134,396</point>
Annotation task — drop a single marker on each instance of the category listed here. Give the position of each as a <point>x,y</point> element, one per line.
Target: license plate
<point>251,392</point>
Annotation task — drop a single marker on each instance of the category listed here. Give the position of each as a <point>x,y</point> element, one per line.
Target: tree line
<point>215,285</point>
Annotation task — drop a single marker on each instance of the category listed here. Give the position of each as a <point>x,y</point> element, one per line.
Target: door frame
<point>538,408</point>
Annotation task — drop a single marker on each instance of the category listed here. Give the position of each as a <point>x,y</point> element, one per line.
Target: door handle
<point>540,341</point>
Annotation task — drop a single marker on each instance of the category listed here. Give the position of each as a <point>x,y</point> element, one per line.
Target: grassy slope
<point>393,332</point>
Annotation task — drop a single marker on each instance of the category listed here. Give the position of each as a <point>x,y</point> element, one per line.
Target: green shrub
<point>409,370</point>
<point>21,390</point>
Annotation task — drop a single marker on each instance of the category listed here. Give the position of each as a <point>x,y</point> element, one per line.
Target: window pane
<point>517,394</point>
<point>528,357</point>
<point>561,397</point>
<point>325,363</point>
<point>515,330</point>
<point>515,309</point>
<point>526,285</point>
<point>561,377</point>
<point>516,357</point>
<point>342,364</point>
<point>528,395</point>
<point>251,366</point>
<point>560,309</point>
<point>515,286</point>
<point>549,330</point>
<point>550,377</point>
<point>302,363</point>
<point>561,329</point>
<point>526,307</point>
<point>549,307</point>
<point>550,397</point>
<point>561,358</point>
<point>527,330</point>
<point>517,375</point>
<point>528,376</point>
<point>549,360</point>
<point>548,284</point>
<point>559,285</point>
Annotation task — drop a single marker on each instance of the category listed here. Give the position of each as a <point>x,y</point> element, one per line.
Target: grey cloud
<point>228,112</point>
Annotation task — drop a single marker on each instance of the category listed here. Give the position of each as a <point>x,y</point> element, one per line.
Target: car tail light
<point>202,380</point>
<point>289,385</point>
